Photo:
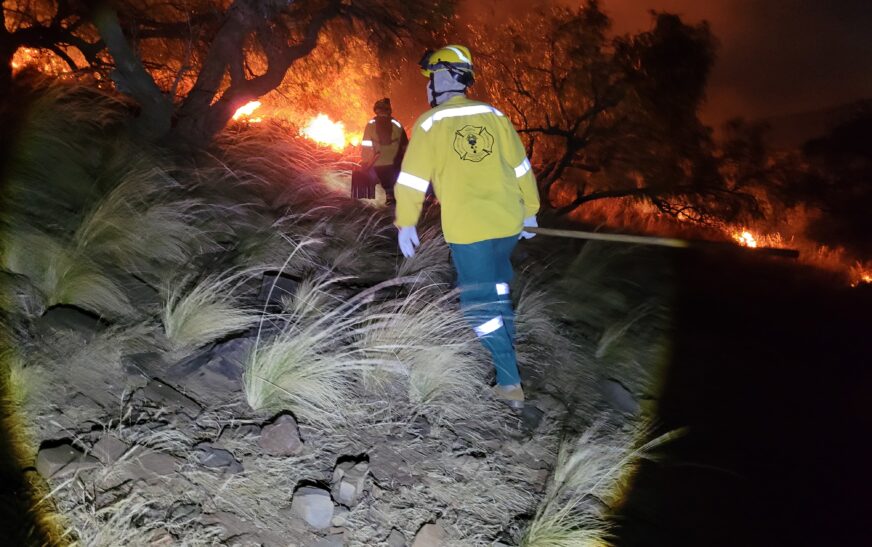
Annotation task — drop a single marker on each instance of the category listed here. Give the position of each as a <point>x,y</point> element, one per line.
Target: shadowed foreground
<point>771,374</point>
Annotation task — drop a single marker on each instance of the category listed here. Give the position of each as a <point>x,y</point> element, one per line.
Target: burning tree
<point>608,117</point>
<point>189,65</point>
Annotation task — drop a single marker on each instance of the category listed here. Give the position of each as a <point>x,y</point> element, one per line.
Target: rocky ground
<point>138,319</point>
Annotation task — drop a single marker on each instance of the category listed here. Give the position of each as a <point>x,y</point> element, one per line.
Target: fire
<point>245,111</point>
<point>745,238</point>
<point>322,129</point>
<point>43,60</point>
<point>861,275</point>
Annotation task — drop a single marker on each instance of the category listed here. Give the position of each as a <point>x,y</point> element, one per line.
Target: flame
<point>323,130</point>
<point>245,111</point>
<point>861,274</point>
<point>745,238</point>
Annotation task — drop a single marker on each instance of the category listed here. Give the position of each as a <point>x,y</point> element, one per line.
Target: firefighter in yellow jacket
<point>473,157</point>
<point>382,147</point>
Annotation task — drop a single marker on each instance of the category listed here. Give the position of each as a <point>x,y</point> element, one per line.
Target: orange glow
<point>245,111</point>
<point>861,274</point>
<point>42,60</point>
<point>323,130</point>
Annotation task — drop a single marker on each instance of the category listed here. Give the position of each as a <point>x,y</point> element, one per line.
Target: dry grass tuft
<point>195,314</point>
<point>62,275</point>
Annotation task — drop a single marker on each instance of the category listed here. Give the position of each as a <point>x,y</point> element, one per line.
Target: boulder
<point>313,505</point>
<point>282,437</point>
<point>63,460</point>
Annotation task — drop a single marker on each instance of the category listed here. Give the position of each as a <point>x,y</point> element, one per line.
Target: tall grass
<point>415,340</point>
<point>288,170</point>
<point>198,312</point>
<point>63,275</point>
<point>591,474</point>
<point>423,340</point>
<point>140,226</point>
<point>62,143</point>
<point>431,259</point>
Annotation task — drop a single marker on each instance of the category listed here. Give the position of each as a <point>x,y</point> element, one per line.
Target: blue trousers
<point>484,270</point>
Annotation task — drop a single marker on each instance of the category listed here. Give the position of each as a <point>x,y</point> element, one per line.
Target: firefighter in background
<point>473,157</point>
<point>384,142</point>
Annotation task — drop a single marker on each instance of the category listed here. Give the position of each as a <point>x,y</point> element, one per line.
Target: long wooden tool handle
<point>659,241</point>
<point>622,238</point>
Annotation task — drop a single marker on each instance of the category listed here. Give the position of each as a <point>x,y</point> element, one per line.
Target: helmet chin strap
<point>437,97</point>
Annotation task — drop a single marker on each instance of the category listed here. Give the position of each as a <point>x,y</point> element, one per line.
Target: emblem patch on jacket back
<point>473,143</point>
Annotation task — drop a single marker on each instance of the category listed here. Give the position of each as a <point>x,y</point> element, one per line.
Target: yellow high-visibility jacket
<point>384,151</point>
<point>473,156</point>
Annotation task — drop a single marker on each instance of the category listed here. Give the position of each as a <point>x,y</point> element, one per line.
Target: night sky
<point>776,57</point>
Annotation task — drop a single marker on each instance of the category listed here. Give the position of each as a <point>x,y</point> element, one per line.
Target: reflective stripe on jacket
<point>385,151</point>
<point>473,156</point>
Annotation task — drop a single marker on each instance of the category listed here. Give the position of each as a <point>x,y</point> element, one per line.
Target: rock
<point>63,460</point>
<point>469,466</point>
<point>430,535</point>
<point>396,539</point>
<point>314,506</point>
<point>161,537</point>
<point>617,395</point>
<point>333,540</point>
<point>21,293</point>
<point>231,524</point>
<point>183,512</point>
<point>159,392</point>
<point>531,417</point>
<point>217,458</point>
<point>145,463</point>
<point>389,466</point>
<point>348,481</point>
<point>275,286</point>
<point>340,517</point>
<point>108,449</point>
<point>146,364</point>
<point>215,374</point>
<point>244,432</point>
<point>70,318</point>
<point>282,437</point>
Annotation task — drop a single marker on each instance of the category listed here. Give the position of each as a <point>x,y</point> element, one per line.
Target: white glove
<point>531,222</point>
<point>408,240</point>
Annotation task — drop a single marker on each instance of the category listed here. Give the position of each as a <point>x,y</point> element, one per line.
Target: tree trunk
<point>131,78</point>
